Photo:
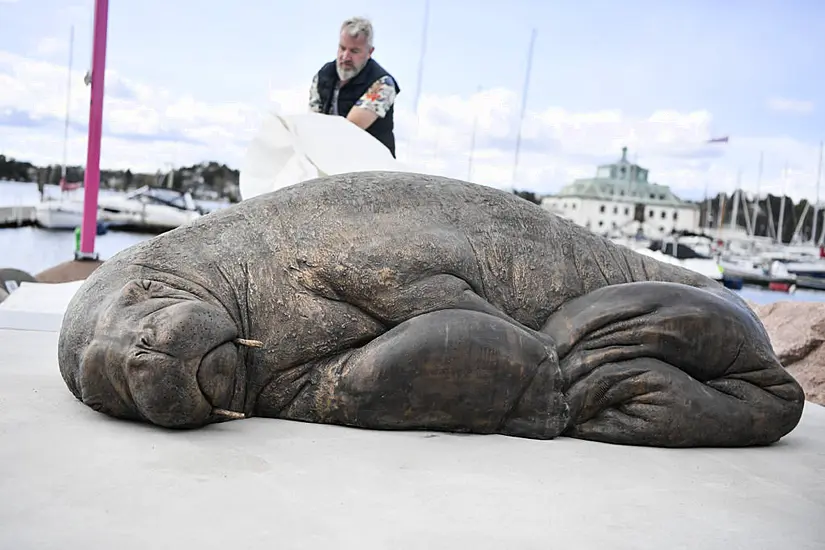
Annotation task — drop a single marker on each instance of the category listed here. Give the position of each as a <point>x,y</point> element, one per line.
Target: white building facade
<point>620,200</point>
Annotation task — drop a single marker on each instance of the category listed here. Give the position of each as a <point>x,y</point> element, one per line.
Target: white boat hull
<point>59,214</point>
<point>138,212</point>
<point>707,267</point>
<point>146,215</point>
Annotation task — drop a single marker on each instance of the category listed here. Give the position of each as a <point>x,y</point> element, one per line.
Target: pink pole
<point>91,181</point>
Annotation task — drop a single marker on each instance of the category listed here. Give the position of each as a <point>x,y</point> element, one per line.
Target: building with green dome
<point>618,198</point>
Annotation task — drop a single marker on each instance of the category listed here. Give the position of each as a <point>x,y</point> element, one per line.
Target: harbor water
<point>33,249</point>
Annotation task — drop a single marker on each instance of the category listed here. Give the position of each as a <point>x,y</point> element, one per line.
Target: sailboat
<point>65,185</point>
<point>62,212</point>
<point>146,209</point>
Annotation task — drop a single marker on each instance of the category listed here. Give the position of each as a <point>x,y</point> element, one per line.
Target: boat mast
<point>816,202</point>
<point>473,144</point>
<point>799,224</point>
<point>423,53</point>
<point>750,225</point>
<point>721,221</point>
<point>735,198</point>
<point>755,204</point>
<point>68,109</point>
<point>707,207</point>
<point>780,231</point>
<point>523,106</point>
<point>771,225</point>
<point>417,97</point>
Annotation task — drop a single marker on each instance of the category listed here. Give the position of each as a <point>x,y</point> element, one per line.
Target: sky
<point>191,80</point>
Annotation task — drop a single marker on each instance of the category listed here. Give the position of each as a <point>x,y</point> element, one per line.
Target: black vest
<point>351,92</point>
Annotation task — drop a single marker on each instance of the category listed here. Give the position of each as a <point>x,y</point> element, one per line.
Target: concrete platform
<point>37,306</point>
<point>73,478</point>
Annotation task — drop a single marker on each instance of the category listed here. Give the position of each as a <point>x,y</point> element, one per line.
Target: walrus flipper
<point>450,370</point>
<point>669,365</point>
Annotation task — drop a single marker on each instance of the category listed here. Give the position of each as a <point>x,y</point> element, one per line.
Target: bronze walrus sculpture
<point>403,301</point>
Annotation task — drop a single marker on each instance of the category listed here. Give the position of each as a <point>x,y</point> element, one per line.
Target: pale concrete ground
<point>73,478</point>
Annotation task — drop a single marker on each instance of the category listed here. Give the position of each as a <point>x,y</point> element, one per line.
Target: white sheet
<point>291,148</point>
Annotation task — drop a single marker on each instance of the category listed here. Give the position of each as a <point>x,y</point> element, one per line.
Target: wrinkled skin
<point>403,301</point>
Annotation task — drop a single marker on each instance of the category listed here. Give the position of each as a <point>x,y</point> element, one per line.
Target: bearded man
<point>355,86</point>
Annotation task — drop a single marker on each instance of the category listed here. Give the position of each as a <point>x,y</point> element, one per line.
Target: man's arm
<point>315,103</point>
<point>374,103</point>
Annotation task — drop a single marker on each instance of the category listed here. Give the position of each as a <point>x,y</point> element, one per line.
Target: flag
<point>723,139</point>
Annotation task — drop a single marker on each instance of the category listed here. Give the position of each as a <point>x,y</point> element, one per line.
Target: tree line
<point>797,219</point>
<point>223,181</point>
<point>213,176</point>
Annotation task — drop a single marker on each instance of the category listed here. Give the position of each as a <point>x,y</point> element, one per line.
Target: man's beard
<point>345,73</point>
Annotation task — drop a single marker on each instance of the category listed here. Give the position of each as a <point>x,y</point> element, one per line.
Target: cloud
<point>148,126</point>
<point>790,105</point>
<point>15,118</point>
<point>50,45</point>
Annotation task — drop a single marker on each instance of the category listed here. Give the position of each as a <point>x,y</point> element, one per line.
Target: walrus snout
<point>191,380</point>
<point>164,356</point>
<point>166,391</point>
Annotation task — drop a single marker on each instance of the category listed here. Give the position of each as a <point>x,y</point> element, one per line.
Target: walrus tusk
<point>228,415</point>
<point>249,343</point>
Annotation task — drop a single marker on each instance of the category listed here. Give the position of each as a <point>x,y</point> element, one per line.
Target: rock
<point>751,304</point>
<point>797,332</point>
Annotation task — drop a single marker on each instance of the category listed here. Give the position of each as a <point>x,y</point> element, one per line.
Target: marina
<point>621,203</point>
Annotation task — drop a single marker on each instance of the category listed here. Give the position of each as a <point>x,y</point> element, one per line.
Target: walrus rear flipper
<point>669,365</point>
<point>449,370</point>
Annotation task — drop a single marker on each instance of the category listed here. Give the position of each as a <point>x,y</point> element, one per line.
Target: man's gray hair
<point>358,26</point>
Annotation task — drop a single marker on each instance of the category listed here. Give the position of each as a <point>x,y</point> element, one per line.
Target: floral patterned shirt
<point>378,99</point>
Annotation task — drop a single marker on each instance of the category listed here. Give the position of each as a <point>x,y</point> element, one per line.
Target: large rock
<point>797,331</point>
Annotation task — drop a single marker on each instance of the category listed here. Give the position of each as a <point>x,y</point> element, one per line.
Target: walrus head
<point>162,355</point>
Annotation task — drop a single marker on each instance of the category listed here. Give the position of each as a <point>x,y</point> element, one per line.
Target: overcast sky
<point>190,80</point>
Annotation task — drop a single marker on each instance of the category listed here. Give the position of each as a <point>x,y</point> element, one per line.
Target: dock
<point>17,216</point>
<point>75,478</point>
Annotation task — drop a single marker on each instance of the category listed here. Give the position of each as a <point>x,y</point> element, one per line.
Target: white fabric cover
<point>291,148</point>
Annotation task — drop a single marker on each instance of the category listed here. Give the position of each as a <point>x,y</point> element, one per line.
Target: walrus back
<point>530,261</point>
<point>527,261</point>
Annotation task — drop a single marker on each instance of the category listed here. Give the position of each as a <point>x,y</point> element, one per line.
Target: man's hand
<point>363,118</point>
